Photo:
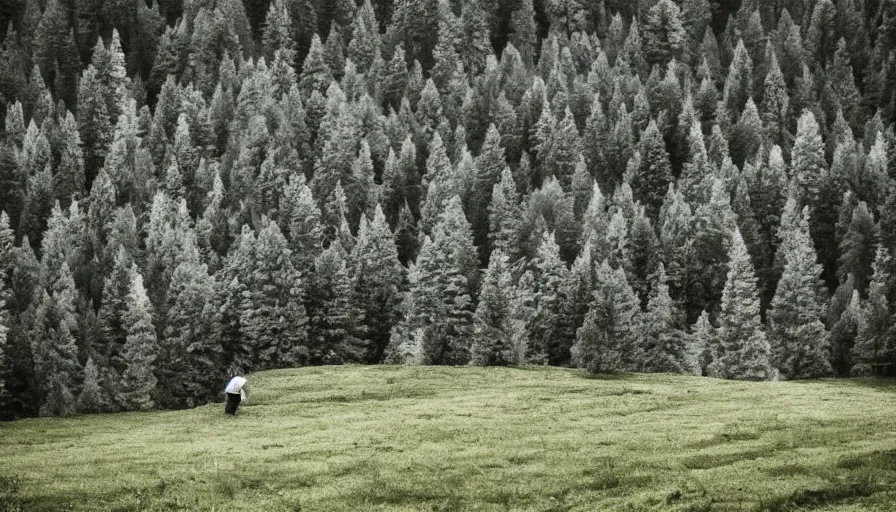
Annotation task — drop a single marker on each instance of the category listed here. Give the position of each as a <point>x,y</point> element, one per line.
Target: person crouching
<point>236,391</point>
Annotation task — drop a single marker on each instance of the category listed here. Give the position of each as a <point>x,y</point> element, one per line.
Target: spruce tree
<point>743,352</point>
<point>799,342</point>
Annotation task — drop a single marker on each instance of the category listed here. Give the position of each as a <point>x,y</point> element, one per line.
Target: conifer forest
<point>193,187</point>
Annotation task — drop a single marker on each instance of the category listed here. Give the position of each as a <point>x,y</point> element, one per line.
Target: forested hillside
<point>656,186</point>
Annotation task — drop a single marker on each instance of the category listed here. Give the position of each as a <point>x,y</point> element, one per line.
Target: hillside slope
<point>437,438</point>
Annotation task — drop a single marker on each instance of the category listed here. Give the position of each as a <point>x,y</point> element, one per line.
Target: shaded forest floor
<point>436,438</point>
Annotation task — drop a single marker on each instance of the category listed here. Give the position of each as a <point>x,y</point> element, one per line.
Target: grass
<point>445,439</point>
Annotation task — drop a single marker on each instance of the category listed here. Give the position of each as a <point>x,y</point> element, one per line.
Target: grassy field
<point>441,439</point>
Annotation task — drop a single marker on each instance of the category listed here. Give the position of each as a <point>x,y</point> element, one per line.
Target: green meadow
<point>364,438</point>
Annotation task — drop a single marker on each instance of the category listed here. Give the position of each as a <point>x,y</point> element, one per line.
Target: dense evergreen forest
<point>192,186</point>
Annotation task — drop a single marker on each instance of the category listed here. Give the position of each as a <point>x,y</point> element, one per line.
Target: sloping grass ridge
<point>441,439</point>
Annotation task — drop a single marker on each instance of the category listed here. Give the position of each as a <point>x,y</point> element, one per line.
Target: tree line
<point>688,186</point>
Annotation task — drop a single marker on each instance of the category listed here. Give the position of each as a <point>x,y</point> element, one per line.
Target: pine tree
<point>612,329</point>
<point>663,348</point>
<point>278,31</point>
<point>551,275</point>
<point>676,234</point>
<point>775,104</point>
<point>6,361</point>
<point>743,351</point>
<point>504,214</point>
<point>365,43</point>
<point>747,135</point>
<point>561,150</point>
<point>857,248</point>
<point>654,173</point>
<point>439,183</point>
<point>489,167</point>
<point>492,331</point>
<point>873,343</point>
<point>694,181</point>
<point>92,399</point>
<point>701,345</point>
<point>189,366</point>
<point>53,346</point>
<point>379,282</point>
<point>94,121</point>
<point>739,84</point>
<point>844,334</point>
<point>799,342</point>
<point>112,321</point>
<point>664,33</point>
<point>523,29</point>
<point>69,180</point>
<point>137,381</point>
<point>440,289</point>
<point>272,317</point>
<point>334,322</point>
<point>807,161</point>
<point>316,73</point>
